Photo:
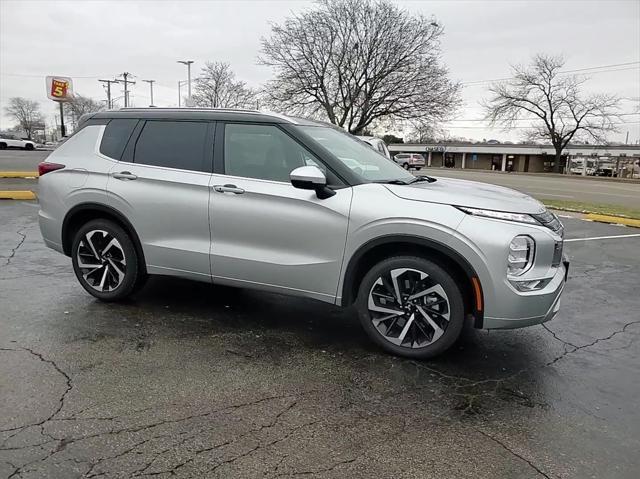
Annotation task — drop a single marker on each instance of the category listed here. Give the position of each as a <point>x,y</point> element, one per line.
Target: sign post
<point>60,89</point>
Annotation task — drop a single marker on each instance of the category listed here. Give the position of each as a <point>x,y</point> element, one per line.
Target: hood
<point>469,193</point>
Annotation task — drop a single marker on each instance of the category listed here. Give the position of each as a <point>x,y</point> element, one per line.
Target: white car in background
<point>410,160</point>
<point>12,141</point>
<point>377,144</point>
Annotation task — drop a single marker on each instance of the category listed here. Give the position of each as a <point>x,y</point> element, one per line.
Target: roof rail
<point>219,110</point>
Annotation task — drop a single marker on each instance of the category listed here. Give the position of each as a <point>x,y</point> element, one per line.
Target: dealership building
<point>513,157</point>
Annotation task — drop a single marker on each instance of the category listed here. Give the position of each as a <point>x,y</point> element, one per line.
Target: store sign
<point>59,88</point>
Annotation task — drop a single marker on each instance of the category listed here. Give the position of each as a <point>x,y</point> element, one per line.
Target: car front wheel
<point>411,307</point>
<point>28,146</point>
<point>105,260</point>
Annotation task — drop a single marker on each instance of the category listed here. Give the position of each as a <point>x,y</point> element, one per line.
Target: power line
<point>536,118</point>
<point>524,127</point>
<point>599,68</point>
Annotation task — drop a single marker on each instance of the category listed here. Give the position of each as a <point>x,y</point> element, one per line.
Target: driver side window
<point>264,152</point>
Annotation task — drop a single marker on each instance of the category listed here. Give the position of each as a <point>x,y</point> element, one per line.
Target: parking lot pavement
<point>190,380</point>
<point>19,160</point>
<point>552,187</point>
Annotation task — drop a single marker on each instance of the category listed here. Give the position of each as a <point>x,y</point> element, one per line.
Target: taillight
<point>45,167</point>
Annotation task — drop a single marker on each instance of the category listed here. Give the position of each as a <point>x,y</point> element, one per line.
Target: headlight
<point>500,215</point>
<point>521,252</point>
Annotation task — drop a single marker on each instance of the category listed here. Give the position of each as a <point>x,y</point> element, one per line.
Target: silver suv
<point>297,207</point>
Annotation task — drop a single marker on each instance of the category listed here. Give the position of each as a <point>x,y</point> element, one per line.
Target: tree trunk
<point>559,163</point>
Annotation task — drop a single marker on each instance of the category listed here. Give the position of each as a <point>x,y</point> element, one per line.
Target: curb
<point>18,174</point>
<point>612,219</point>
<point>17,195</point>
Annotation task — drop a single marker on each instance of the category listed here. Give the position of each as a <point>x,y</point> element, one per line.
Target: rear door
<point>161,184</point>
<point>266,233</point>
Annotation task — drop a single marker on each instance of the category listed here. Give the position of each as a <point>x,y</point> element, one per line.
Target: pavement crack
<point>14,250</point>
<point>320,470</point>
<point>512,452</point>
<point>68,383</point>
<point>566,343</point>
<point>593,343</point>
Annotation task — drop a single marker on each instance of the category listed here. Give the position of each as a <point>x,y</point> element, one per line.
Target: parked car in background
<point>12,141</point>
<point>377,144</point>
<point>293,206</point>
<point>577,167</point>
<point>410,160</point>
<point>606,167</point>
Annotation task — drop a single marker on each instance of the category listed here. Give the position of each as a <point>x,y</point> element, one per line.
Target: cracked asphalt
<point>189,380</point>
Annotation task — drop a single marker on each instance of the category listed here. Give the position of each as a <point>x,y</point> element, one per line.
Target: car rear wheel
<point>28,146</point>
<point>3,146</point>
<point>411,307</point>
<point>105,261</point>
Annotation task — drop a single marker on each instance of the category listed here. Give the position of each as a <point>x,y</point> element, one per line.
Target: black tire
<point>405,166</point>
<point>134,275</point>
<point>29,147</point>
<point>3,146</point>
<point>418,168</point>
<point>437,275</point>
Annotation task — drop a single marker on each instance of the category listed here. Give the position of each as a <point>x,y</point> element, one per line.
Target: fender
<point>444,250</point>
<point>109,211</point>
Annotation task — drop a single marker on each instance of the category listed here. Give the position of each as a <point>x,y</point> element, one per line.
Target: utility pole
<point>626,142</point>
<point>188,63</point>
<point>109,82</point>
<point>126,81</point>
<point>63,131</point>
<point>150,82</point>
<point>179,95</point>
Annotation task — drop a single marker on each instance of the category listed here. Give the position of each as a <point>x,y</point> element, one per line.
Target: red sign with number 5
<point>59,88</point>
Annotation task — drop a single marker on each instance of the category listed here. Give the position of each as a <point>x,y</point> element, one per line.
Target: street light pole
<point>150,82</point>
<point>188,63</point>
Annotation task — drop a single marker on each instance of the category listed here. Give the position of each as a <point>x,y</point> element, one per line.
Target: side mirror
<point>311,178</point>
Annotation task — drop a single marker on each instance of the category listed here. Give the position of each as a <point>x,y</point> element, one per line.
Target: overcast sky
<point>89,40</point>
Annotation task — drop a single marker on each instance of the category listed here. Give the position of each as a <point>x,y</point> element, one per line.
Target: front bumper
<point>535,307</point>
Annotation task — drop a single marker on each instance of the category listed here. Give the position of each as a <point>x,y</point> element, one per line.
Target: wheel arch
<point>383,247</point>
<point>80,214</point>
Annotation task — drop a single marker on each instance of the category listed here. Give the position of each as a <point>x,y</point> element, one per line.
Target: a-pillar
<point>504,162</point>
<point>429,159</point>
<point>464,160</point>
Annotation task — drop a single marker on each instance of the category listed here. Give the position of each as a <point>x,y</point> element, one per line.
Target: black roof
<point>202,114</point>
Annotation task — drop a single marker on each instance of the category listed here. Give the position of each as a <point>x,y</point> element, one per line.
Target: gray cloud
<point>102,39</point>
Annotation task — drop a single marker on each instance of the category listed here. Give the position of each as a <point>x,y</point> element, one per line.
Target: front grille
<point>551,221</point>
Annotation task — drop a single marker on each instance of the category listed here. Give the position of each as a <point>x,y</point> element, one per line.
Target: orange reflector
<point>478,293</point>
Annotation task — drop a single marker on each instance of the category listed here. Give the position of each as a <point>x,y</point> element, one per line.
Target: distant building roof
<point>522,149</point>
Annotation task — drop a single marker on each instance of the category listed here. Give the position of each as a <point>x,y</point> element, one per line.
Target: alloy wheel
<point>101,260</point>
<point>408,308</point>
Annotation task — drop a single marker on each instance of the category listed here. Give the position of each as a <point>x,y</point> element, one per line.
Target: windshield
<point>363,160</point>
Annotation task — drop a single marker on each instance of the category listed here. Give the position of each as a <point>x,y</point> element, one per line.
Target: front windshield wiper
<point>416,179</point>
<point>428,179</point>
<point>392,182</point>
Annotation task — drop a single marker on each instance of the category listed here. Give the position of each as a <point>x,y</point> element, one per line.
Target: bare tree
<point>217,87</point>
<point>26,113</point>
<point>357,62</point>
<point>81,105</point>
<point>559,111</point>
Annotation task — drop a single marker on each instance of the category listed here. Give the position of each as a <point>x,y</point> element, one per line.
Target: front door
<point>266,233</point>
<point>162,187</point>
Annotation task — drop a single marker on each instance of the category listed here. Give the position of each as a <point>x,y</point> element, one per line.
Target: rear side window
<point>115,137</point>
<point>172,144</point>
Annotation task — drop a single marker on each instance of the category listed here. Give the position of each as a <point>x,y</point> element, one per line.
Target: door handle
<point>228,189</point>
<point>124,175</point>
